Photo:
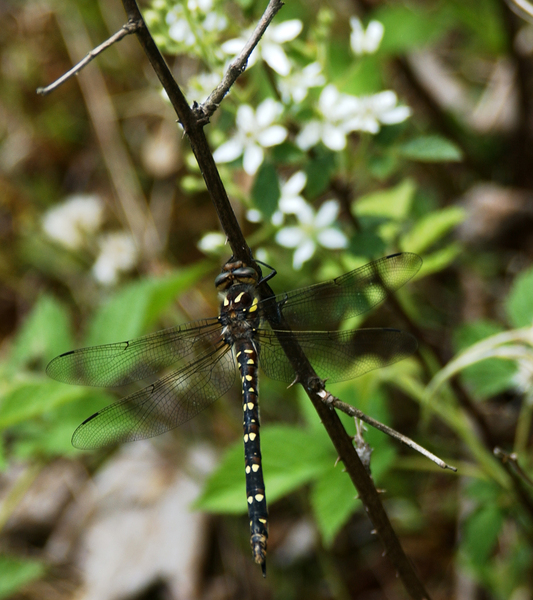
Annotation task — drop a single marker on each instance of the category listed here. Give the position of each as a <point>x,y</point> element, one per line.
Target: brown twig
<point>238,65</point>
<point>355,412</point>
<point>127,29</point>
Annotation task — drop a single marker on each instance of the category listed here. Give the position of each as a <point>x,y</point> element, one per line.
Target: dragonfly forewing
<point>113,365</point>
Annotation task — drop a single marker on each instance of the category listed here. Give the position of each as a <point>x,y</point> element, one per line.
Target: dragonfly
<point>202,359</point>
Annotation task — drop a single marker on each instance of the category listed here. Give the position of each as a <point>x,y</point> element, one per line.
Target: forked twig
<point>127,29</point>
<point>331,400</point>
<point>238,64</point>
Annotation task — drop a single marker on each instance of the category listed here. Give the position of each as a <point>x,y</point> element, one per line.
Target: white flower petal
<point>285,31</point>
<point>292,205</point>
<point>294,185</point>
<point>357,36</point>
<point>229,151</point>
<point>328,99</point>
<point>396,115</point>
<point>383,101</point>
<point>276,58</point>
<point>272,136</point>
<point>290,237</point>
<point>303,253</point>
<point>252,158</point>
<point>327,213</point>
<point>333,137</point>
<point>267,112</point>
<point>277,218</point>
<point>332,238</point>
<point>373,36</point>
<point>309,135</point>
<point>254,216</point>
<point>212,241</point>
<point>246,118</point>
<point>233,46</point>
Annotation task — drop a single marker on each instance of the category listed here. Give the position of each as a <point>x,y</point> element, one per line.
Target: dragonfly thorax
<point>239,312</point>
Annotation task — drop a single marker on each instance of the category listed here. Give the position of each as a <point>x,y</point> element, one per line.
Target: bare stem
<point>355,412</point>
<point>130,27</point>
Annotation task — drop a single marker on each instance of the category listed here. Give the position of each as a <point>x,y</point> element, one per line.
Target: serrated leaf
<point>430,148</point>
<point>44,333</point>
<point>132,310</point>
<point>291,458</point>
<point>333,499</point>
<point>16,573</point>
<point>393,203</point>
<point>266,191</point>
<point>518,306</point>
<point>431,228</point>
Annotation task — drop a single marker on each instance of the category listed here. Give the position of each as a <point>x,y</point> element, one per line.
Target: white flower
<point>117,254</point>
<point>70,222</point>
<point>296,85</point>
<point>200,86</point>
<point>371,111</point>
<point>186,23</point>
<point>335,109</point>
<point>313,229</point>
<point>342,113</point>
<point>365,42</point>
<point>290,200</point>
<point>211,242</point>
<point>270,45</point>
<point>255,131</point>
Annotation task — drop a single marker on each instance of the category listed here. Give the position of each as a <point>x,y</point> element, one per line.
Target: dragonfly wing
<point>168,403</point>
<point>325,305</point>
<point>112,365</point>
<point>335,355</point>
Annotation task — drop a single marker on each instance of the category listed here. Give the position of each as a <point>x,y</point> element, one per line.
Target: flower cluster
<point>74,225</point>
<point>327,116</point>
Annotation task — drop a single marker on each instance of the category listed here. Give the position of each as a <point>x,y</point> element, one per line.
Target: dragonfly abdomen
<point>247,360</point>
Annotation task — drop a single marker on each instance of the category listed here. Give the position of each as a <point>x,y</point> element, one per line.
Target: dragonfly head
<point>234,273</point>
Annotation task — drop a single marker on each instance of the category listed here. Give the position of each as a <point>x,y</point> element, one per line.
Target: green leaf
<point>439,260</point>
<point>44,333</point>
<point>136,307</point>
<point>519,307</point>
<point>291,458</point>
<point>50,435</point>
<point>319,171</point>
<point>367,243</point>
<point>488,377</point>
<point>265,191</point>
<point>393,203</point>
<point>333,499</point>
<point>430,148</point>
<point>431,228</point>
<point>407,29</point>
<point>29,399</point>
<point>481,531</point>
<point>16,573</point>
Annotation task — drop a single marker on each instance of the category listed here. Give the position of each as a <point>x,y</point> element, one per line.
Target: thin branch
<point>238,65</point>
<point>513,460</point>
<point>355,412</point>
<point>130,27</point>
